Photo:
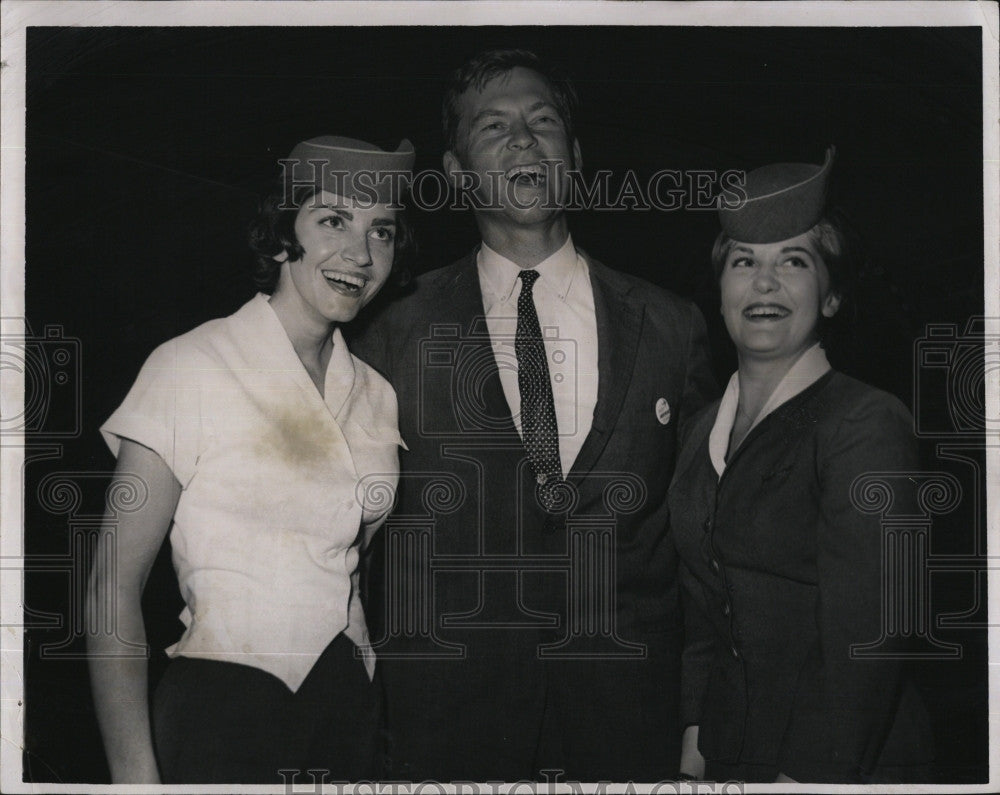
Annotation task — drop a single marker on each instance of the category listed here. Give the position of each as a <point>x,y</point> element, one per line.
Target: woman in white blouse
<point>266,450</point>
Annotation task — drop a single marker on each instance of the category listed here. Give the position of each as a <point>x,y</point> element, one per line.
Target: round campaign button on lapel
<point>663,411</point>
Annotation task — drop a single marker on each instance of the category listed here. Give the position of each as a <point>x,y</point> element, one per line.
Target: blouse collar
<point>270,336</point>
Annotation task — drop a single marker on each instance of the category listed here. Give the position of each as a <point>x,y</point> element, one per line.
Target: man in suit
<point>524,593</point>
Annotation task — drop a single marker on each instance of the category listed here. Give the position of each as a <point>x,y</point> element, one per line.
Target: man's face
<point>513,139</point>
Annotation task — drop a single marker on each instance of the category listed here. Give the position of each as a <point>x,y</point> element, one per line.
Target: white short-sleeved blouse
<point>275,483</point>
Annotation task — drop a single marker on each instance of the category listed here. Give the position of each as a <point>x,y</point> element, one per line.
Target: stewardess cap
<point>783,200</point>
<point>351,168</point>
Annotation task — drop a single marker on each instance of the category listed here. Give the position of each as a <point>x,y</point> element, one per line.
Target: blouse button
<point>726,609</point>
<point>715,565</point>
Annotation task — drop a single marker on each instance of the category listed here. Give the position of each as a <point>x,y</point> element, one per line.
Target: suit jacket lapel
<point>619,323</point>
<point>482,392</point>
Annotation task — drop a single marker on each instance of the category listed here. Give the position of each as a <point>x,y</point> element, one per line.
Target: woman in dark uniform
<point>781,573</point>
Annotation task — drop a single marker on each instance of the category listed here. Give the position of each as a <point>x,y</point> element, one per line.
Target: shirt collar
<point>499,275</point>
<point>340,375</point>
<point>810,367</point>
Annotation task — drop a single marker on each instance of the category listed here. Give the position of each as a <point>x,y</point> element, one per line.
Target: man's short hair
<point>487,66</point>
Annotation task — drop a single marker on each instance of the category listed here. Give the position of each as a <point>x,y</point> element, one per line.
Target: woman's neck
<point>759,378</point>
<point>312,338</point>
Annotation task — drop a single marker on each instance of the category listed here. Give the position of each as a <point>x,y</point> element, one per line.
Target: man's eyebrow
<point>486,113</point>
<point>492,113</point>
<point>542,103</point>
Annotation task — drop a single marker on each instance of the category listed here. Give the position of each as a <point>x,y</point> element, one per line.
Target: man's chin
<point>528,196</point>
<point>533,203</point>
<point>531,215</point>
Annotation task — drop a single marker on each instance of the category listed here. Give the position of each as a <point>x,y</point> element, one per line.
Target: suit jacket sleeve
<point>699,382</point>
<point>843,707</point>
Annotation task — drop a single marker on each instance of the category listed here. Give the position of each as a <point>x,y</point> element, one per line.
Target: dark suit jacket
<point>572,617</point>
<point>781,574</point>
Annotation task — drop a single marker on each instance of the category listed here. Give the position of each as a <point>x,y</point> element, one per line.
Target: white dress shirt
<point>810,367</point>
<point>564,300</point>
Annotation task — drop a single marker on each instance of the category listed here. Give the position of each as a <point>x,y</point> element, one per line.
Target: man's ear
<point>451,167</point>
<point>577,156</point>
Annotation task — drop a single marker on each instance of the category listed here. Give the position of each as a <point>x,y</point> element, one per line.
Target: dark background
<point>148,149</point>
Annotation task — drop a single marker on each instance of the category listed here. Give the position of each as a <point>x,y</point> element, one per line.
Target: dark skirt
<point>226,723</point>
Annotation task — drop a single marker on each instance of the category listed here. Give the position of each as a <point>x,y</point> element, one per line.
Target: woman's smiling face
<point>773,296</point>
<point>348,251</point>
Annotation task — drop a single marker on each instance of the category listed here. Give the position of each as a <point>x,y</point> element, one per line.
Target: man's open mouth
<point>533,174</point>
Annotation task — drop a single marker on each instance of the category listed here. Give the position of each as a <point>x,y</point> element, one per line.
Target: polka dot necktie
<point>538,410</point>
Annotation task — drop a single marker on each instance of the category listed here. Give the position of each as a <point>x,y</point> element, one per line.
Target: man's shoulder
<point>636,289</point>
<point>431,286</point>
<point>428,296</point>
<point>442,278</point>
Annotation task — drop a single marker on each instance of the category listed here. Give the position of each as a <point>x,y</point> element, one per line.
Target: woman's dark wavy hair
<point>273,232</point>
<point>840,247</point>
<point>491,64</point>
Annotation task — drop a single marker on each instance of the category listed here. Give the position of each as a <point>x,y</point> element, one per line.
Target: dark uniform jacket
<point>781,574</point>
<point>510,640</point>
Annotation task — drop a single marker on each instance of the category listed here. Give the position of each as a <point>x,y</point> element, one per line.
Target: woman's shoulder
<point>849,399</point>
<point>851,414</point>
<point>194,348</point>
<point>206,345</point>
